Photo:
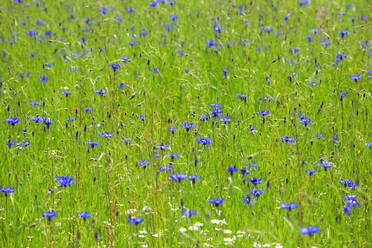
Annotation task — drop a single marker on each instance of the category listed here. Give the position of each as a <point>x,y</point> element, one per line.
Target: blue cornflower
<point>93,143</point>
<point>189,214</point>
<point>211,43</point>
<point>10,143</point>
<point>193,178</point>
<point>294,50</point>
<point>269,30</point>
<point>174,129</point>
<point>306,121</point>
<point>32,32</point>
<point>104,10</point>
<point>162,147</point>
<point>173,155</point>
<point>84,215</point>
<point>303,3</point>
<point>38,118</point>
<point>341,56</point>
<point>115,67</point>
<point>178,177</point>
<point>244,171</point>
<point>122,85</point>
<point>49,64</point>
<point>334,137</point>
<point>187,126</point>
<point>309,230</point>
<point>153,4</point>
<point>204,117</point>
<point>326,43</point>
<point>252,130</point>
<point>264,112</point>
<point>204,141</point>
<point>254,165</point>
<point>132,43</point>
<point>257,192</point>
<point>64,181</point>
<point>343,33</point>
<point>106,134</point>
<point>125,59</point>
<point>143,33</point>
<point>101,92</point>
<point>144,163</point>
<point>242,96</point>
<point>318,135</point>
<point>347,209</point>
<point>72,119</point>
<point>120,19</point>
<point>289,206</point>
<point>351,202</point>
<point>22,75</point>
<point>88,109</point>
<point>264,99</point>
<point>49,214</point>
<point>301,116</point>
<point>231,170</point>
<point>288,140</point>
<point>248,199</point>
<point>216,201</point>
<point>225,119</point>
<point>142,117</point>
<point>127,140</point>
<point>155,70</point>
<point>136,221</point>
<point>165,167</point>
<point>44,79</point>
<point>356,77</point>
<point>7,190</point>
<point>215,105</point>
<point>215,112</point>
<point>368,144</point>
<point>348,183</point>
<point>310,171</point>
<point>13,120</point>
<point>326,165</point>
<point>180,52</point>
<point>255,181</point>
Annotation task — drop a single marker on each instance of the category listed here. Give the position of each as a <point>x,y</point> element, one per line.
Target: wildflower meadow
<point>230,123</point>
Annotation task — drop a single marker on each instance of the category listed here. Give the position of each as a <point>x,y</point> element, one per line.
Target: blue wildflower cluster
<point>145,103</point>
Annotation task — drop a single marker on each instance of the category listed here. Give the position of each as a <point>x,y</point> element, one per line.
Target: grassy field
<point>185,123</point>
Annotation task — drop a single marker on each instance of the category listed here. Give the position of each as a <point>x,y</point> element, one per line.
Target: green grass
<point>108,180</point>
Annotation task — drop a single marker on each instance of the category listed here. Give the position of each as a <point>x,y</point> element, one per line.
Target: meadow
<point>185,123</point>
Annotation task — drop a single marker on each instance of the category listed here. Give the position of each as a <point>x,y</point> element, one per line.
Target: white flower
<point>182,229</point>
<point>198,224</point>
<point>219,222</point>
<point>227,231</point>
<point>157,235</point>
<point>131,211</point>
